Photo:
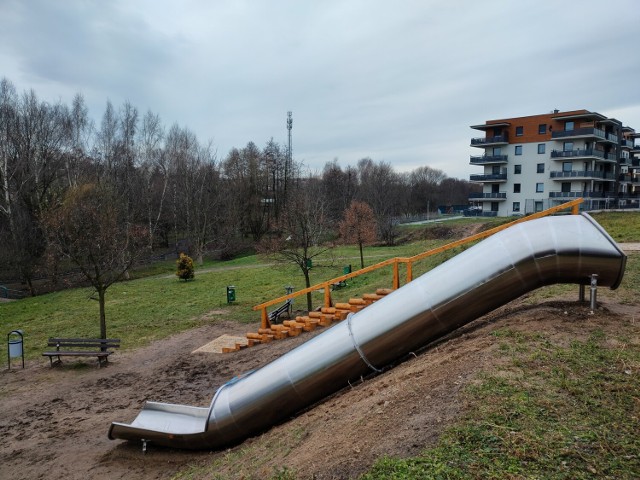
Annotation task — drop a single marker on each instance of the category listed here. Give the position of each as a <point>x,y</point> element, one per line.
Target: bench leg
<point>58,361</point>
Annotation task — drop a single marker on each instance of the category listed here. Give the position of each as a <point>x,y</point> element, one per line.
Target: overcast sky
<point>398,81</point>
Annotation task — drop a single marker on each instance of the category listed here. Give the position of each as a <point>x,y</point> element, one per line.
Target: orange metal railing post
<point>327,295</point>
<point>396,276</point>
<point>264,319</point>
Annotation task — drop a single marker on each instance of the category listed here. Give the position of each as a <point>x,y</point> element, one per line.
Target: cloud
<point>395,81</point>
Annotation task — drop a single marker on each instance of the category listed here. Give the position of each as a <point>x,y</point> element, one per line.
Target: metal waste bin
<point>15,346</point>
<point>346,269</point>
<point>231,293</point>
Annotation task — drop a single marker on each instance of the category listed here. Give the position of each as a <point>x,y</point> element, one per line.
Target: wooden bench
<point>81,347</point>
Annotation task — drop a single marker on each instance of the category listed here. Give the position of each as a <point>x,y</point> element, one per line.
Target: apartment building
<point>535,162</point>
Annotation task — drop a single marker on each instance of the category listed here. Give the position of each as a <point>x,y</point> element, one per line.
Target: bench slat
<point>67,353</point>
<point>82,342</point>
<point>95,340</point>
<point>84,345</point>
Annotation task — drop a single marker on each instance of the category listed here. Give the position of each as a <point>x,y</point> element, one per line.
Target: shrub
<point>185,267</point>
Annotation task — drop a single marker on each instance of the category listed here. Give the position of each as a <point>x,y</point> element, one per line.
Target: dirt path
<point>55,421</point>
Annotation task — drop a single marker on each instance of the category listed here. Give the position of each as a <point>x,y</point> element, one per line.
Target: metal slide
<point>563,249</point>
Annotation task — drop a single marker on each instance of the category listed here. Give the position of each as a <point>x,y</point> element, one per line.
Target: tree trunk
<point>307,282</point>
<point>103,318</point>
<point>361,256</point>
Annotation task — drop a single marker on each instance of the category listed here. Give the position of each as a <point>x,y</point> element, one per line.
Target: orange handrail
<point>574,205</point>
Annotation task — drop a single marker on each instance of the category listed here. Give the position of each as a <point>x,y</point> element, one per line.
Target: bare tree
<point>302,232</point>
<point>358,226</point>
<point>33,138</point>
<point>153,170</point>
<point>248,179</point>
<point>90,229</point>
<point>339,188</point>
<point>380,187</point>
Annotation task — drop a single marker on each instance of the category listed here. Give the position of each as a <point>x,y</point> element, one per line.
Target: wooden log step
<point>295,331</point>
<point>228,349</point>
<point>330,310</point>
<point>343,306</point>
<point>254,336</point>
<point>252,342</point>
<point>356,301</point>
<point>384,291</point>
<point>267,338</point>
<point>292,323</point>
<point>372,296</point>
<point>266,331</point>
<point>315,315</point>
<point>241,345</point>
<point>342,314</point>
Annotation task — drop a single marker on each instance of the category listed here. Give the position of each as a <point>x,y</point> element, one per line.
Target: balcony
<point>493,177</point>
<point>599,155</point>
<point>583,174</point>
<point>598,134</point>
<point>625,177</point>
<point>488,159</point>
<point>626,143</point>
<point>602,195</point>
<point>488,196</point>
<point>584,153</point>
<point>490,141</point>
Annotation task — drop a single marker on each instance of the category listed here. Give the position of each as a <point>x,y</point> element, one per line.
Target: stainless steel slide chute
<point>550,250</point>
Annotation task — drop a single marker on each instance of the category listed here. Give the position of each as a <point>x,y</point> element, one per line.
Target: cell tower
<point>289,127</point>
<point>288,162</point>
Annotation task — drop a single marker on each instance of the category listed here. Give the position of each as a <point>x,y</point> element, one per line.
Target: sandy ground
<point>54,421</point>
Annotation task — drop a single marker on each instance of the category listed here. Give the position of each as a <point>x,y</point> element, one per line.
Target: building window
<point>567,147</point>
<point>516,188</point>
<point>517,169</point>
<point>541,148</point>
<point>497,151</point>
<point>538,206</point>
<point>540,168</point>
<point>565,187</point>
<point>568,126</point>
<point>518,149</point>
<point>494,206</point>
<point>567,166</point>
<point>519,131</point>
<point>542,128</point>
<point>539,187</point>
<point>516,206</point>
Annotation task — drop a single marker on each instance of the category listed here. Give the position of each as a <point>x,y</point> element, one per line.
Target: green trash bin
<point>309,263</point>
<point>231,293</point>
<point>346,269</point>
